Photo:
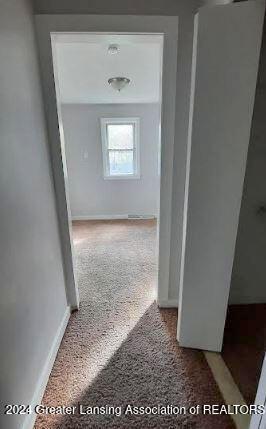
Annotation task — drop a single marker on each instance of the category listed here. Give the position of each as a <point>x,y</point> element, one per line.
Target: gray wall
<point>248,283</point>
<point>92,195</point>
<point>33,299</point>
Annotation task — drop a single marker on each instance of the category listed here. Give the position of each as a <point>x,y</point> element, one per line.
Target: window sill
<point>123,177</point>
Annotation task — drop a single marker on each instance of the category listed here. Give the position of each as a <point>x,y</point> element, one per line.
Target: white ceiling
<point>84,66</point>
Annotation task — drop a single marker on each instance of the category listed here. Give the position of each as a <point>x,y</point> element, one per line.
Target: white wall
<point>33,298</point>
<point>223,89</point>
<point>248,284</point>
<point>92,195</point>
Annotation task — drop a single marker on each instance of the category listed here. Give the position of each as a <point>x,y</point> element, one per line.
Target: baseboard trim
<point>110,217</point>
<point>227,386</point>
<point>45,373</point>
<point>169,303</point>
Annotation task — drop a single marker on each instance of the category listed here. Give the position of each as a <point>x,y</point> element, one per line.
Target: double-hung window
<point>120,145</point>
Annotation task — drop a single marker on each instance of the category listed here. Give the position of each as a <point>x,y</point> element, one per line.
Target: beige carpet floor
<point>119,348</point>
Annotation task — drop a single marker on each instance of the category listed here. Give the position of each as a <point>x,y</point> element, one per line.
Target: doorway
<point>163,26</point>
<point>110,139</point>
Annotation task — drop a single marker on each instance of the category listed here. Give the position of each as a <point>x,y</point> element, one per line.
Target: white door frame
<point>258,421</point>
<point>168,26</point>
<point>224,75</point>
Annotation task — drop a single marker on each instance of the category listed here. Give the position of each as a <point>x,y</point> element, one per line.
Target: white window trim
<point>106,170</point>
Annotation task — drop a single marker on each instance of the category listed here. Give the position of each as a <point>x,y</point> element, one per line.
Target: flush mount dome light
<point>113,49</point>
<point>118,83</point>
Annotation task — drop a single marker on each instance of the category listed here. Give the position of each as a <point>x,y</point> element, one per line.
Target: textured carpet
<point>244,346</point>
<point>119,348</point>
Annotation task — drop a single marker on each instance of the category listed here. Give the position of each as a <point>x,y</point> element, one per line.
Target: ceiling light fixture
<point>118,83</point>
<point>113,49</point>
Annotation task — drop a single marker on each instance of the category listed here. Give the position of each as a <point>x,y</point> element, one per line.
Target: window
<point>120,143</point>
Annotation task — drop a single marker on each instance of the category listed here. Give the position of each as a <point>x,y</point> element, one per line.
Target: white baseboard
<point>227,386</point>
<point>110,217</point>
<point>169,303</point>
<point>45,373</point>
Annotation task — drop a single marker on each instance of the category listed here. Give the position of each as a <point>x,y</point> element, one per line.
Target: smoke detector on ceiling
<point>113,49</point>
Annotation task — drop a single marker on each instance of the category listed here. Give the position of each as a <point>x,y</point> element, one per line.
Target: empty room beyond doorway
<point>109,105</point>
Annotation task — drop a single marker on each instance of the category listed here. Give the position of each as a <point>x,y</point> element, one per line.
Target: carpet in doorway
<point>120,348</point>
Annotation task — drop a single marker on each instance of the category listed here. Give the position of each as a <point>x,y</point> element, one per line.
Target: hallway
<point>127,112</point>
<point>120,348</point>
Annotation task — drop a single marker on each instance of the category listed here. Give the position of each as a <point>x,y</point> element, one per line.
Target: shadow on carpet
<point>147,370</point>
<point>119,348</point>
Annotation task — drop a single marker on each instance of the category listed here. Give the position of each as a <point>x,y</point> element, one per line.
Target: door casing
<point>46,25</point>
